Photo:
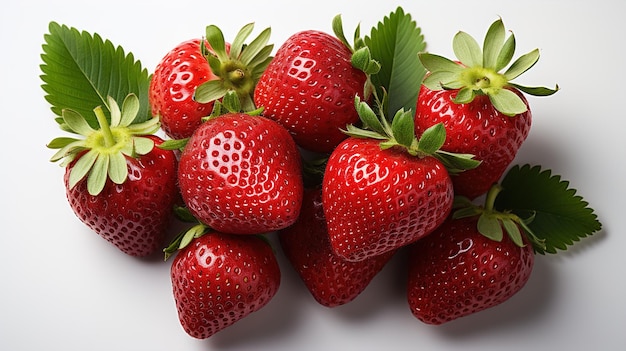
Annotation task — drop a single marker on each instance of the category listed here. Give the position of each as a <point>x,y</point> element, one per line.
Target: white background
<point>64,288</point>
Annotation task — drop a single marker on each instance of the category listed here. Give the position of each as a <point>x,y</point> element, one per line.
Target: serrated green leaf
<point>561,217</point>
<point>80,70</point>
<point>395,43</point>
<point>467,50</point>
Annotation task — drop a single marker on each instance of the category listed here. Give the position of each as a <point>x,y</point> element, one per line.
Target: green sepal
<point>403,129</point>
<point>478,70</point>
<point>174,144</point>
<point>101,154</point>
<point>183,239</point>
<point>432,139</point>
<point>489,226</point>
<point>239,69</point>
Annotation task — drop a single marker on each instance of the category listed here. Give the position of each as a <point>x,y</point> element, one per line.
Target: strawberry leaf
<point>395,43</point>
<point>560,216</point>
<point>80,70</point>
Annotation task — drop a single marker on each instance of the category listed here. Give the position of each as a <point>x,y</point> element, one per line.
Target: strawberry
<point>241,174</point>
<point>383,188</point>
<point>331,280</point>
<point>218,279</point>
<point>117,182</point>
<point>468,265</point>
<point>192,76</point>
<point>172,87</point>
<point>309,88</point>
<point>484,112</point>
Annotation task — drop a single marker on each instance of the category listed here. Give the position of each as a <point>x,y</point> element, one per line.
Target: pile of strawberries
<point>305,144</point>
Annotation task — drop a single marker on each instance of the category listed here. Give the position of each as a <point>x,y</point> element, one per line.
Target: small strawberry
<point>383,188</point>
<point>485,114</point>
<point>212,66</point>
<point>218,279</point>
<point>331,280</point>
<point>241,174</point>
<point>118,183</point>
<point>309,88</point>
<point>468,265</point>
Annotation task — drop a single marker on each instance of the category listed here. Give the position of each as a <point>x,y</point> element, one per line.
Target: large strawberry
<point>468,265</point>
<point>214,66</point>
<point>331,280</point>
<point>383,188</point>
<point>484,112</point>
<point>309,88</point>
<point>218,279</point>
<point>241,174</point>
<point>118,182</point>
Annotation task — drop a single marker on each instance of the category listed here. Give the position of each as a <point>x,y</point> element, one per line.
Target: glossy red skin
<point>218,279</point>
<point>476,128</point>
<point>456,271</point>
<point>172,88</point>
<point>376,201</point>
<point>242,174</point>
<point>309,88</point>
<point>331,280</point>
<point>133,216</point>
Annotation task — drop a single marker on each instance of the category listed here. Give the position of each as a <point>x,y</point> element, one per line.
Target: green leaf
<point>256,46</point>
<point>210,91</point>
<point>395,43</point>
<point>432,139</point>
<point>561,217</point>
<point>507,102</point>
<point>493,44</point>
<point>80,70</point>
<point>536,91</point>
<point>76,122</point>
<point>435,63</point>
<point>513,231</point>
<point>216,40</point>
<point>98,174</point>
<point>522,64</point>
<point>368,116</point>
<point>506,53</point>
<point>403,128</point>
<point>240,39</point>
<point>490,227</point>
<point>118,171</point>
<point>82,167</point>
<point>467,50</point>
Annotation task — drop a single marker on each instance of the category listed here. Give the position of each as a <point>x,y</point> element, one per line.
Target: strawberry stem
<point>491,196</point>
<point>109,141</point>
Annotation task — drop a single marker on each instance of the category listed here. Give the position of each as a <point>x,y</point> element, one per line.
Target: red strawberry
<point>484,113</point>
<point>218,279</point>
<point>191,77</point>
<point>467,265</point>
<point>331,279</point>
<point>172,89</point>
<point>241,174</point>
<point>383,188</point>
<point>309,88</point>
<point>118,183</point>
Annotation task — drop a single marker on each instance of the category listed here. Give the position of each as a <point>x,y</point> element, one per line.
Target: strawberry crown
<point>101,153</point>
<point>238,67</point>
<point>477,71</point>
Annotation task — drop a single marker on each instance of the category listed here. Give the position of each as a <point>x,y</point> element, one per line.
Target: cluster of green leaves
<point>81,70</point>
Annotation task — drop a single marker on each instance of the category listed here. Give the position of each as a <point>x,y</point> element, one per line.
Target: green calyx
<point>102,152</point>
<point>478,71</point>
<point>400,133</point>
<point>239,68</point>
<point>493,224</point>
